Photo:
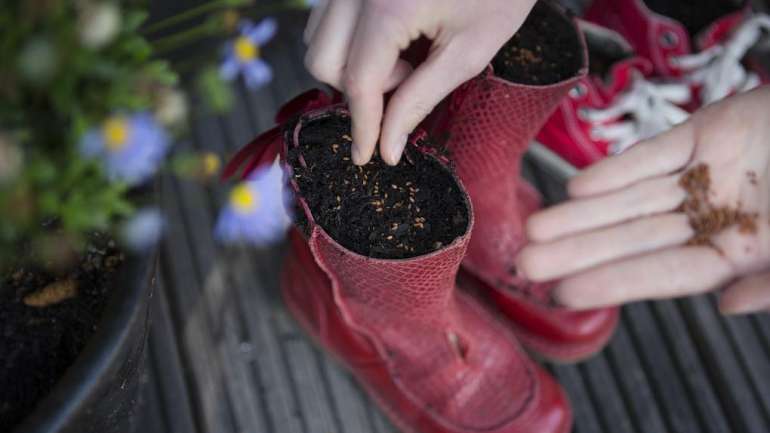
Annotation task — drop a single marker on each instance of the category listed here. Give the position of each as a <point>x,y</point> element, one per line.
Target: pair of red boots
<point>438,359</point>
<point>435,358</point>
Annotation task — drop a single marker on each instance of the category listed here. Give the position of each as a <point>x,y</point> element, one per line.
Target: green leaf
<point>138,47</point>
<point>161,72</point>
<point>133,20</point>
<point>216,92</point>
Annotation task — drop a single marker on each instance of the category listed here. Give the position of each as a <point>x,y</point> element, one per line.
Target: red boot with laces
<point>704,43</point>
<point>434,359</point>
<point>616,105</point>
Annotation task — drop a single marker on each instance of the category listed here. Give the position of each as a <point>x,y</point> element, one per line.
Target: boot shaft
<point>382,290</point>
<point>490,121</point>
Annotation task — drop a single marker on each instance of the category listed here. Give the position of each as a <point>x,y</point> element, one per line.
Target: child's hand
<point>621,237</point>
<point>354,46</point>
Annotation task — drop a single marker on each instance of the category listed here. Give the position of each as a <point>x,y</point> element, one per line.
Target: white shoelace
<point>719,68</point>
<point>650,108</point>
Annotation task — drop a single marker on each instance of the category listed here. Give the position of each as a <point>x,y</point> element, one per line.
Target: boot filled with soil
<point>376,210</point>
<point>545,50</point>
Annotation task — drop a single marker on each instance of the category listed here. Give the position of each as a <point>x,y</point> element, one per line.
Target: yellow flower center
<point>245,50</point>
<point>211,164</point>
<point>244,199</point>
<point>115,132</point>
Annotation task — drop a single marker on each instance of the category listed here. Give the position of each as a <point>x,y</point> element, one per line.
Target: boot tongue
<point>719,30</point>
<point>622,75</point>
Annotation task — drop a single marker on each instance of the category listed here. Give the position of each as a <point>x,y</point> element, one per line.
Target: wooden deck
<point>224,355</point>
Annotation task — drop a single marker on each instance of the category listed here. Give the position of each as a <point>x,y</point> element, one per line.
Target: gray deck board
<point>167,368</point>
<point>670,391</point>
<point>226,357</point>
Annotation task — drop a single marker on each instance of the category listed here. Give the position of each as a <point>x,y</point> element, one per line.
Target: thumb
<point>748,295</point>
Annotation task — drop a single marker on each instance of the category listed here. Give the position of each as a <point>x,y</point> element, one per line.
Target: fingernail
<point>357,156</point>
<point>560,296</point>
<point>556,296</point>
<point>737,310</point>
<point>397,150</point>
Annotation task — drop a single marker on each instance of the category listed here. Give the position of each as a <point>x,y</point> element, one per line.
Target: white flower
<point>143,230</point>
<point>98,24</point>
<point>171,108</point>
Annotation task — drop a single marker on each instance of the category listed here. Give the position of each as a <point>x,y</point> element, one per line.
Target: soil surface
<point>545,50</point>
<point>706,219</point>
<point>695,15</point>
<point>375,210</point>
<point>45,322</point>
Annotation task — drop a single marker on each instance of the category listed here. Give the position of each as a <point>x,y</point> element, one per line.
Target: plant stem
<point>272,8</point>
<point>215,5</point>
<point>212,26</point>
<point>186,15</point>
<point>177,40</point>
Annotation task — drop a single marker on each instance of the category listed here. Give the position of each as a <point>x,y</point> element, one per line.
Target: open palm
<point>622,236</point>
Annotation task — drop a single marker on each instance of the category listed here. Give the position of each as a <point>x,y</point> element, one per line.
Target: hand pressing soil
<point>375,210</point>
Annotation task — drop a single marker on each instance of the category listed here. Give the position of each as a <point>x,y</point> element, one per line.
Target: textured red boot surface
<point>435,360</point>
<point>703,43</point>
<point>488,123</point>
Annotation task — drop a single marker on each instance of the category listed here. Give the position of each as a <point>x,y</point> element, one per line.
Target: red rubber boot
<point>434,359</point>
<point>488,123</point>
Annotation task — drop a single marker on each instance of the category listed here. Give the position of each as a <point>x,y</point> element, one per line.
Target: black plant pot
<point>100,391</point>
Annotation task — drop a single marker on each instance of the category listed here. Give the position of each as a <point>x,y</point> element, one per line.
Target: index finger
<point>654,157</point>
<point>373,57</point>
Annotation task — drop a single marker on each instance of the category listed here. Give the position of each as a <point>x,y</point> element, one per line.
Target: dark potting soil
<point>45,322</point>
<point>695,15</point>
<point>545,50</point>
<point>375,210</point>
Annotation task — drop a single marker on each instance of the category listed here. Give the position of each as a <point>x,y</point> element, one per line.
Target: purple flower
<point>242,54</point>
<point>130,147</point>
<point>256,210</point>
<point>144,229</point>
